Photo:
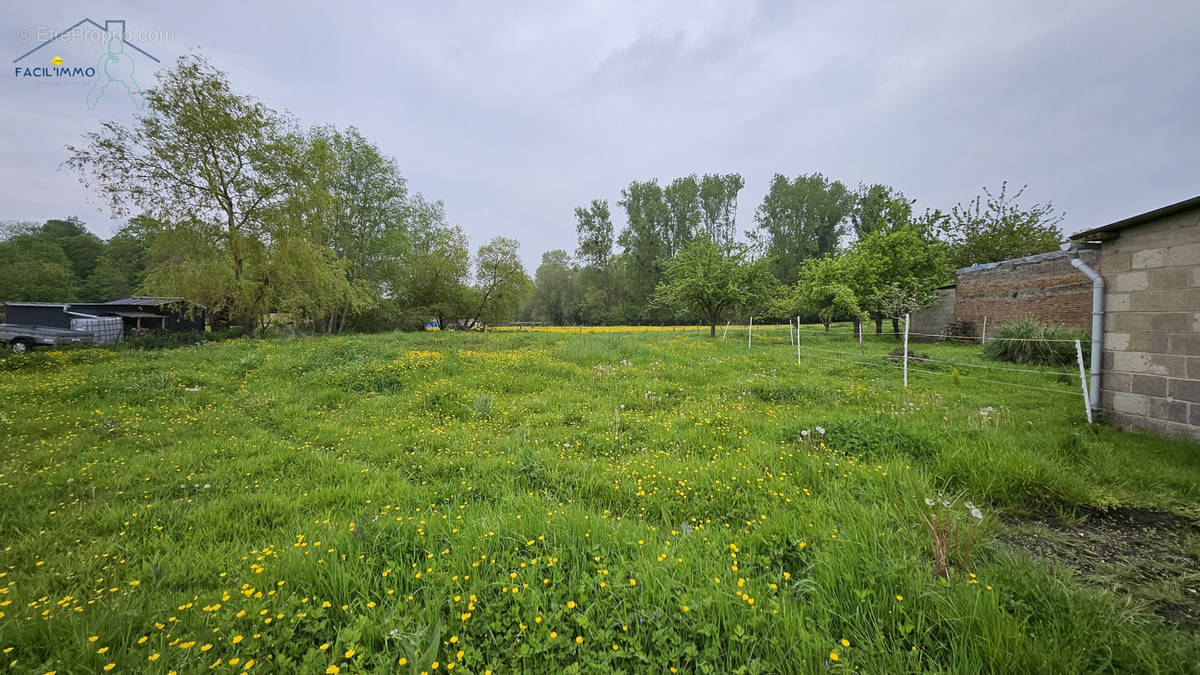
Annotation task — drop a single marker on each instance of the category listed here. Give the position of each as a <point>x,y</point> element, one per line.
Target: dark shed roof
<point>144,300</point>
<point>1110,231</point>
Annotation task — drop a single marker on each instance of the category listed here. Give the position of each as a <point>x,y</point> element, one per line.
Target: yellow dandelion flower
<point>833,656</point>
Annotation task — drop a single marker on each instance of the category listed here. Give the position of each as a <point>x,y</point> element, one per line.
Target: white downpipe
<point>1097,326</point>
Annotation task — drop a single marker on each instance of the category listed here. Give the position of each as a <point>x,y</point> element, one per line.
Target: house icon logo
<point>114,67</point>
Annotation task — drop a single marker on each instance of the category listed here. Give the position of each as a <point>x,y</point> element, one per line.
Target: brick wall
<point>1151,364</point>
<point>1045,287</point>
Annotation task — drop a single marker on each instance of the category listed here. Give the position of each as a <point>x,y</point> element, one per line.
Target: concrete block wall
<point>1044,287</point>
<point>1151,363</point>
<point>933,319</point>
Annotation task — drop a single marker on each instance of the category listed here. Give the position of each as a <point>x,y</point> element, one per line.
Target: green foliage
<point>351,501</point>
<point>704,280</point>
<point>801,219</point>
<point>557,290</point>
<point>1033,342</point>
<point>994,227</point>
<point>211,165</point>
<point>879,208</point>
<point>821,292</point>
<point>157,340</point>
<point>501,283</point>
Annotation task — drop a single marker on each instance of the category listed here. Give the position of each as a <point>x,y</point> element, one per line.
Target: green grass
<point>353,501</point>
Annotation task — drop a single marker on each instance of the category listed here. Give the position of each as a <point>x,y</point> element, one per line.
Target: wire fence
<point>909,363</point>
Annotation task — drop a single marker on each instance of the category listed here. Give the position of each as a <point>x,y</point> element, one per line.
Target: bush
<point>1031,342</point>
<point>171,339</point>
<point>387,315</point>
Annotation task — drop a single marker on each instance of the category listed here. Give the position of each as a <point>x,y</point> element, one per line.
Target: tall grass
<point>1031,342</point>
<point>543,502</point>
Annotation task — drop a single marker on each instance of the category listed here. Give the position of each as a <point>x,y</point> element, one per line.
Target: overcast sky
<point>515,113</point>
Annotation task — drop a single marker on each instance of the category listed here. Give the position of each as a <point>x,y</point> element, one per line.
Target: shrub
<point>171,339</point>
<point>1028,341</point>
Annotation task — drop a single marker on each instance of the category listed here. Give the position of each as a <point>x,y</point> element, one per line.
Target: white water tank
<point>104,329</point>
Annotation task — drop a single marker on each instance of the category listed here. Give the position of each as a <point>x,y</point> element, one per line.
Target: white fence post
<point>750,333</point>
<point>726,329</point>
<point>985,329</point>
<point>861,348</point>
<point>790,331</point>
<point>797,340</point>
<point>906,351</point>
<point>1087,405</point>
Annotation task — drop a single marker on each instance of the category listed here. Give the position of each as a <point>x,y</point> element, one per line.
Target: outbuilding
<point>137,313</point>
<point>1148,308</point>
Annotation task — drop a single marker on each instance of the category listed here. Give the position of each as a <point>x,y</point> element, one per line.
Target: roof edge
<point>1162,212</point>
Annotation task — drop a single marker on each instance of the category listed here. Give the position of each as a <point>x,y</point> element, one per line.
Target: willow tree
<point>207,162</point>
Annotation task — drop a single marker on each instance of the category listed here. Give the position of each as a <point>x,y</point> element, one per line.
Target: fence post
<point>726,329</point>
<point>906,351</point>
<point>1087,405</point>
<point>797,340</point>
<point>861,348</point>
<point>750,333</point>
<point>985,329</point>
<point>790,331</point>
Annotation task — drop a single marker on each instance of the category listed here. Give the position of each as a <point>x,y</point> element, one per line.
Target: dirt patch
<point>1152,557</point>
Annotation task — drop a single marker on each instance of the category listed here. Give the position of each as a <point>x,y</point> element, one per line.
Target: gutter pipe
<point>1097,322</point>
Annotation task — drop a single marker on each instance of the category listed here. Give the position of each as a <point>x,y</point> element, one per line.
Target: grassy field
<point>606,502</point>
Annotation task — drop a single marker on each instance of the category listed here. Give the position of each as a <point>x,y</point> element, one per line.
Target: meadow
<point>553,500</point>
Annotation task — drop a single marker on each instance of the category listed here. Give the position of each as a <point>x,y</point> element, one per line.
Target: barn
<point>1149,309</point>
<point>137,313</point>
<point>150,313</point>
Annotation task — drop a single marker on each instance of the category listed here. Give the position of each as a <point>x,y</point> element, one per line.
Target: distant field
<point>553,500</point>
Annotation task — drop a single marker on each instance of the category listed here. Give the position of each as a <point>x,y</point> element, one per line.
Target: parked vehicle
<point>23,338</point>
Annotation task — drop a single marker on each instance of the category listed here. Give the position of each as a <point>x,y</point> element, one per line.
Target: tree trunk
<point>712,330</point>
<point>878,324</point>
<point>826,322</point>
<point>896,326</point>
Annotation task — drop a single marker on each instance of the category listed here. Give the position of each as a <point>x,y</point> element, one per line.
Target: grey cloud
<point>516,113</point>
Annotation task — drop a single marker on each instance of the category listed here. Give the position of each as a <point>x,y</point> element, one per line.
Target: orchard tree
<point>898,298</point>
<point>993,227</point>
<point>702,278</point>
<point>821,290</point>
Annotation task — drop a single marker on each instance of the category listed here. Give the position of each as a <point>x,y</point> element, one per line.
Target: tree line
<point>239,208</point>
<point>817,248</point>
